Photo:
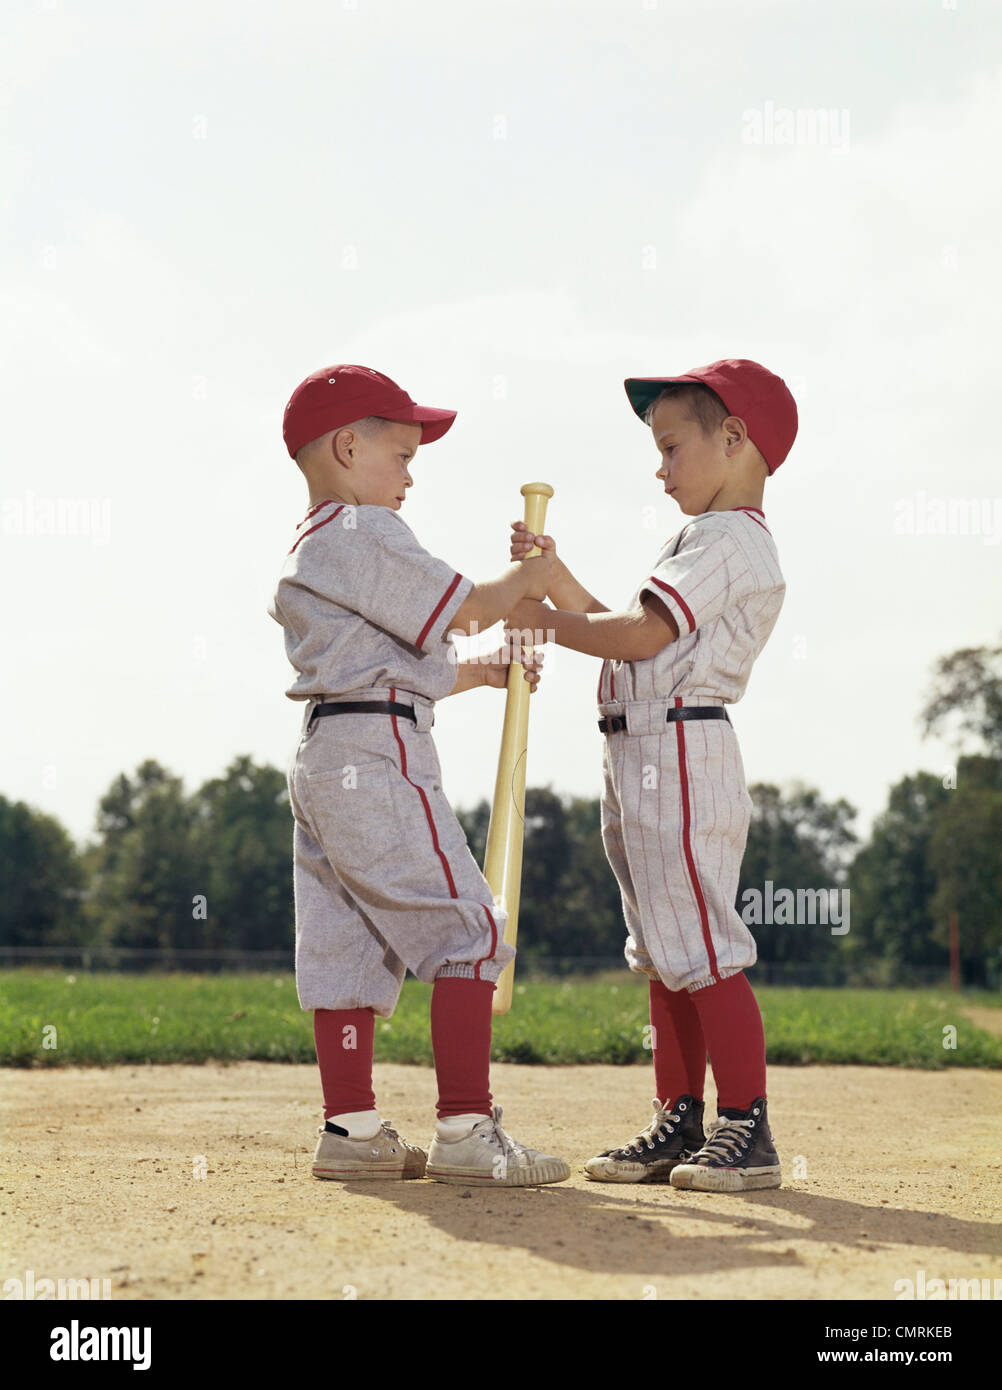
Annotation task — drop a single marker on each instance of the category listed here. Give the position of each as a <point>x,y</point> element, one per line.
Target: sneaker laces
<point>727,1139</point>
<point>394,1135</point>
<point>510,1148</point>
<point>658,1127</point>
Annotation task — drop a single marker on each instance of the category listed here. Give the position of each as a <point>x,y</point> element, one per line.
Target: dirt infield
<point>886,1173</point>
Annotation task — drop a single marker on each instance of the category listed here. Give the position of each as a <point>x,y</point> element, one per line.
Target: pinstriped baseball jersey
<point>365,606</point>
<point>675,807</point>
<point>720,580</point>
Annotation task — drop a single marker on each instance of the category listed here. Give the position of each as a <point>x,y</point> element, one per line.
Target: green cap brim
<point>643,391</point>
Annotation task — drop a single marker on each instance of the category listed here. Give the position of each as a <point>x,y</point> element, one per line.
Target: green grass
<point>991,998</point>
<point>102,1019</point>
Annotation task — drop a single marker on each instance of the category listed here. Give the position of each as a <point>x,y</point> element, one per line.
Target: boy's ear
<point>343,447</point>
<point>736,433</point>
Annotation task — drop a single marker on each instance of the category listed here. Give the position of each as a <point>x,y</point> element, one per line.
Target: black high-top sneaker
<point>672,1137</point>
<point>738,1156</point>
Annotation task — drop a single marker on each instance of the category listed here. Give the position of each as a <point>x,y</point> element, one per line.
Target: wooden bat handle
<point>503,855</point>
<point>536,497</point>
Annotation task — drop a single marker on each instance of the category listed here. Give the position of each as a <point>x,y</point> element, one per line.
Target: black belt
<point>617,722</point>
<point>363,707</point>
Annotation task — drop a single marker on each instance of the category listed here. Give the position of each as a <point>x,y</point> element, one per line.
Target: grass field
<point>55,1018</point>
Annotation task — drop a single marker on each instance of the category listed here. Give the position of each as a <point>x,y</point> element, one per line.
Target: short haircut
<point>702,402</point>
<point>370,424</point>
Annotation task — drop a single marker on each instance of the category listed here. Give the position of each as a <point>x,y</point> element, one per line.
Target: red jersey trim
<point>697,887</point>
<point>754,513</point>
<point>325,521</point>
<point>441,604</point>
<point>327,502</point>
<point>686,610</point>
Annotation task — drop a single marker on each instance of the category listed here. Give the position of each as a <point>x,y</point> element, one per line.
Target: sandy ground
<point>886,1173</point>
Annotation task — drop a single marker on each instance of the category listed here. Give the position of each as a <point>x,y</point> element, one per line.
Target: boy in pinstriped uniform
<point>675,808</point>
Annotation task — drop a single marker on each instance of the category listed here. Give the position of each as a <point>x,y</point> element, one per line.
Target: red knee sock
<point>735,1039</point>
<point>344,1052</point>
<point>461,1042</point>
<point>678,1044</point>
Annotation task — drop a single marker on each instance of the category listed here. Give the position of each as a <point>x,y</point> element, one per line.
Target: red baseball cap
<point>336,396</point>
<point>757,396</point>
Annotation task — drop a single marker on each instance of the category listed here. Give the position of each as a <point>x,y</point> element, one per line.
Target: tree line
<point>170,871</point>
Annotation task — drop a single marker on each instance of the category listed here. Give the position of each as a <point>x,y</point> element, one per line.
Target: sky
<point>508,210</point>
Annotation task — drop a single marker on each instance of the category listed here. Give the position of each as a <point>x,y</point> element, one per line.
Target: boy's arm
<point>469,675</point>
<point>493,670</point>
<point>633,636</point>
<point>565,591</point>
<point>492,600</point>
<point>568,593</point>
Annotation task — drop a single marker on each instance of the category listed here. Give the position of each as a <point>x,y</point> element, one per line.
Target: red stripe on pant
<point>434,839</point>
<point>424,802</point>
<point>697,888</point>
<point>494,942</point>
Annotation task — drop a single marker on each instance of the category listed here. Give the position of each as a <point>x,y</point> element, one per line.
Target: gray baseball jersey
<point>384,880</point>
<point>364,606</point>
<point>675,807</point>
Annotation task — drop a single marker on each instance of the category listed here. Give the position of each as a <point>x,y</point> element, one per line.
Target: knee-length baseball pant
<point>384,879</point>
<point>675,816</point>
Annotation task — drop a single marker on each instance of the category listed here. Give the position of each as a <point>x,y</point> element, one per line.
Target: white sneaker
<point>386,1156</point>
<point>487,1157</point>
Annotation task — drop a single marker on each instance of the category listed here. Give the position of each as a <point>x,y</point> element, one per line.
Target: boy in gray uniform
<point>384,880</point>
<point>675,809</point>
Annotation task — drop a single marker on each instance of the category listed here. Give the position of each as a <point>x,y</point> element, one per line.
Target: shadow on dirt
<point>601,1230</point>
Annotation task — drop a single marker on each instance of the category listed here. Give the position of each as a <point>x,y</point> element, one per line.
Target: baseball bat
<point>505,833</point>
